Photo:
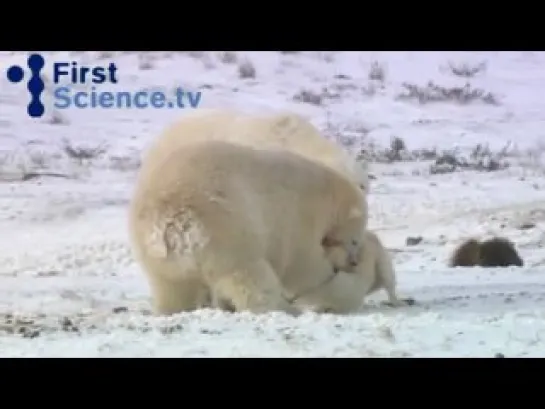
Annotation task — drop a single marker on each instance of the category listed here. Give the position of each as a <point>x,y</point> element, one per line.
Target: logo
<point>35,84</point>
<point>67,73</point>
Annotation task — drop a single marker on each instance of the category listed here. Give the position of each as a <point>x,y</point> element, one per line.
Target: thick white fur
<point>345,293</point>
<point>275,130</point>
<point>240,223</point>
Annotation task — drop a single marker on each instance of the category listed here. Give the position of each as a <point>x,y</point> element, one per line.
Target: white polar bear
<point>241,224</point>
<point>346,291</point>
<point>279,130</point>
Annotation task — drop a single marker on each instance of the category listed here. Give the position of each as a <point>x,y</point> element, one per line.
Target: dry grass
<point>327,56</point>
<point>432,92</point>
<point>57,118</point>
<point>377,72</point>
<point>145,62</point>
<point>228,57</point>
<point>105,55</point>
<point>82,153</point>
<point>467,70</point>
<point>67,161</point>
<point>246,70</point>
<point>129,162</point>
<point>195,54</point>
<point>28,163</point>
<point>308,97</point>
<point>481,158</point>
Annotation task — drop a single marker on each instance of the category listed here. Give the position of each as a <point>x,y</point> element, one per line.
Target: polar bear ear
<point>355,212</point>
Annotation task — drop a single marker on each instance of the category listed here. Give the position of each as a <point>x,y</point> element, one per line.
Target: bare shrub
<point>330,93</point>
<point>105,55</point>
<point>369,90</point>
<point>228,57</point>
<point>350,137</point>
<point>533,158</point>
<point>208,61</point>
<point>4,157</point>
<point>26,164</point>
<point>308,97</point>
<point>396,152</point>
<point>397,146</point>
<point>377,72</point>
<point>343,87</point>
<point>124,163</point>
<point>38,159</point>
<point>145,62</point>
<point>466,70</point>
<point>83,153</point>
<point>26,176</point>
<point>195,54</point>
<point>246,70</point>
<point>480,159</point>
<point>57,119</point>
<point>4,165</point>
<point>436,93</point>
<point>328,57</point>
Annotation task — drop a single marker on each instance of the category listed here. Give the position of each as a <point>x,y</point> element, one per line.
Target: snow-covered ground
<point>69,285</point>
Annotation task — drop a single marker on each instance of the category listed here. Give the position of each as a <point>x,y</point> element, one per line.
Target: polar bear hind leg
<point>248,286</point>
<point>174,296</point>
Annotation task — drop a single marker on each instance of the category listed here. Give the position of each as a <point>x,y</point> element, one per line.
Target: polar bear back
<point>265,131</point>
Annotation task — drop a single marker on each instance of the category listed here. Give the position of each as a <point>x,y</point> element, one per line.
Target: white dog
<point>346,290</point>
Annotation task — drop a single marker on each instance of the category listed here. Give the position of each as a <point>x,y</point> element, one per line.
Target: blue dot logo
<point>35,85</point>
<point>15,74</point>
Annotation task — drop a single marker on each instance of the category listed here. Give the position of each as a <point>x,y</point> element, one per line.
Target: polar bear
<point>273,130</point>
<point>232,221</point>
<point>346,290</point>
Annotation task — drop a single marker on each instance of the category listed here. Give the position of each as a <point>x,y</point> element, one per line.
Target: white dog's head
<point>342,258</point>
<point>361,174</point>
<point>343,246</point>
